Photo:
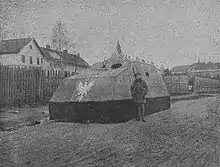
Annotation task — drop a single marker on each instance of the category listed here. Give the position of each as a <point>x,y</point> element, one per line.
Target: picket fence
<point>27,85</point>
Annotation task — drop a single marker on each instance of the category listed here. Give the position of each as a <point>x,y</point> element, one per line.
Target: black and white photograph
<point>109,83</point>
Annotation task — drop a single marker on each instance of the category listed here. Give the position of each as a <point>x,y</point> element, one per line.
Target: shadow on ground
<point>97,121</point>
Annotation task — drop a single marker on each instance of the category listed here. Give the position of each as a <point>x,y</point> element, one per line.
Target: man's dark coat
<point>139,90</point>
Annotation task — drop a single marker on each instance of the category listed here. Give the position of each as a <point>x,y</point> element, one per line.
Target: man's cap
<point>137,74</point>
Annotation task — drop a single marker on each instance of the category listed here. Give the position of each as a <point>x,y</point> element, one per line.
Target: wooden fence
<point>22,85</point>
<point>206,85</point>
<point>179,84</point>
<point>176,84</point>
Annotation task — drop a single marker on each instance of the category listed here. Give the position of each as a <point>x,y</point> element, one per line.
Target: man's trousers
<point>141,110</point>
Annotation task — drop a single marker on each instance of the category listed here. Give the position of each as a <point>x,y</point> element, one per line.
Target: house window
<point>38,61</point>
<point>23,58</point>
<point>30,46</point>
<point>41,60</point>
<point>31,60</point>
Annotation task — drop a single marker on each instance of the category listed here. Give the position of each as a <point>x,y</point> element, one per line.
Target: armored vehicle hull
<point>105,97</point>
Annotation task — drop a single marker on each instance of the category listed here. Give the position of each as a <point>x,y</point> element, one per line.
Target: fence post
<point>195,84</point>
<point>179,84</point>
<point>11,85</point>
<point>7,85</point>
<point>4,84</point>
<point>1,85</point>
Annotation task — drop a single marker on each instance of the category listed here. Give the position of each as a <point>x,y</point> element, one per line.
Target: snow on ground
<point>188,134</point>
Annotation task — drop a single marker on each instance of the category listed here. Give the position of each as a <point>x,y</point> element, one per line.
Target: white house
<point>22,52</point>
<point>27,52</point>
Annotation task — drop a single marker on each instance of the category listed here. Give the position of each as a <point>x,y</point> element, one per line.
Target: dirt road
<point>186,135</point>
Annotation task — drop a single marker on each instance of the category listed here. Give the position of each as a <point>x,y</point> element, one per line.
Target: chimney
<point>78,54</point>
<point>48,46</point>
<point>65,51</point>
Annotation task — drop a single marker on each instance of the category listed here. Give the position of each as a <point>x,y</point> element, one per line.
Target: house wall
<point>16,59</point>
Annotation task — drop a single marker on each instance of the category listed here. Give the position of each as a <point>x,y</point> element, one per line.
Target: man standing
<point>139,90</point>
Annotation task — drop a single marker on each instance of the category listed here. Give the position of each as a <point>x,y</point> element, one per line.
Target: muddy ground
<point>186,135</point>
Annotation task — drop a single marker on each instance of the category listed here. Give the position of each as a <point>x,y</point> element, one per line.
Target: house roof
<point>13,45</point>
<point>204,66</point>
<point>182,68</point>
<point>73,59</point>
<point>196,66</point>
<point>51,56</point>
<point>66,58</point>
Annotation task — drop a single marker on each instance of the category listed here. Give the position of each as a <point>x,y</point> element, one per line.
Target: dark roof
<point>48,53</point>
<point>196,66</point>
<point>66,58</point>
<point>13,45</point>
<point>50,58</point>
<point>182,68</point>
<point>204,66</point>
<point>73,59</point>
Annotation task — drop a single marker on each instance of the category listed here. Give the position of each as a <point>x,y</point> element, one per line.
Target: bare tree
<point>60,38</point>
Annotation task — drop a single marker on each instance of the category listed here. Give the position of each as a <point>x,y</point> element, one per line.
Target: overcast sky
<point>169,32</point>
